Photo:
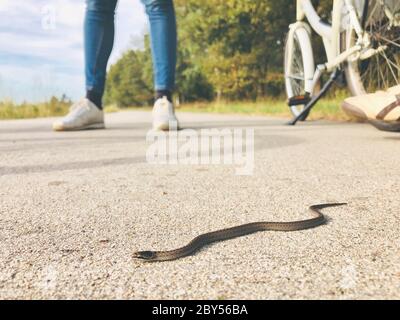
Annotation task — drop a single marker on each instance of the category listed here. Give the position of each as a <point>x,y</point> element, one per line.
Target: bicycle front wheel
<point>299,65</point>
<point>381,20</point>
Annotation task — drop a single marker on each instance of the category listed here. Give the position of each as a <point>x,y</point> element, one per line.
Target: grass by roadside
<point>326,109</point>
<point>52,108</point>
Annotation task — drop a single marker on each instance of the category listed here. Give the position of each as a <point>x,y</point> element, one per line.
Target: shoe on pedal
<point>394,90</point>
<point>381,109</point>
<point>83,115</point>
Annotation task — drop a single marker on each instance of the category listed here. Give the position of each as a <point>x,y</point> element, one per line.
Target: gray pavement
<point>74,206</point>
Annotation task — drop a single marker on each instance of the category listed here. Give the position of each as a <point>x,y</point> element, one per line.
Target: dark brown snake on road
<point>239,231</point>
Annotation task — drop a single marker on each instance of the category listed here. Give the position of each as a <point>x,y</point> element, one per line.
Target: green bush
<point>54,107</point>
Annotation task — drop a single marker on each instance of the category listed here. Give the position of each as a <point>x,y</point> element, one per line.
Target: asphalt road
<point>74,206</point>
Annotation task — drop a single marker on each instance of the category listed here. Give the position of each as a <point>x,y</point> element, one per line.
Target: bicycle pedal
<point>299,100</point>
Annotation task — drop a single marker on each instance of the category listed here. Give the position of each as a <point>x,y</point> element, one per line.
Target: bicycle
<point>361,42</point>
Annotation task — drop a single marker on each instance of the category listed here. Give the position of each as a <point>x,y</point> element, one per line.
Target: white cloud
<point>38,83</point>
<point>36,48</point>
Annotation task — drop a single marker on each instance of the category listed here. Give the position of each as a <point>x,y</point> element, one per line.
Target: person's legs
<point>161,15</point>
<point>163,38</point>
<point>99,39</point>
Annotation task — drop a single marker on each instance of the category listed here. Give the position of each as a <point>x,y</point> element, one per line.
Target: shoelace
<point>77,106</point>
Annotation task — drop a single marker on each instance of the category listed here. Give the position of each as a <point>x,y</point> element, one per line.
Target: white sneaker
<point>164,116</point>
<point>82,115</point>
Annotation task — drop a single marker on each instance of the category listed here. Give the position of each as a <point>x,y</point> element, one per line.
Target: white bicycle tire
<point>299,33</point>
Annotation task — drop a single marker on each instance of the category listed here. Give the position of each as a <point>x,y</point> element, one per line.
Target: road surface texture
<point>76,205</point>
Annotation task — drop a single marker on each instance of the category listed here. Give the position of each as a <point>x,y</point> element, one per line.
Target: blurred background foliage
<point>54,107</point>
<point>228,50</point>
<point>230,59</point>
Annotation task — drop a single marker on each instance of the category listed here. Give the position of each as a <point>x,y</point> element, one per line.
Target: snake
<point>239,231</point>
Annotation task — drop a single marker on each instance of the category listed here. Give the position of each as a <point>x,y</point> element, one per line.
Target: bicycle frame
<point>345,40</point>
<point>331,33</point>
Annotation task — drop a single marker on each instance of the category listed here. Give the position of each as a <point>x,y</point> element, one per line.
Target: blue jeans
<point>99,39</point>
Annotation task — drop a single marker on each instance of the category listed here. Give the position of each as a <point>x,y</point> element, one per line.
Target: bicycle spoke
<point>296,75</point>
<point>383,70</point>
<point>393,42</point>
<point>389,64</point>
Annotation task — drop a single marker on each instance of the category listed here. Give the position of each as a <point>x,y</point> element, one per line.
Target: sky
<point>41,46</point>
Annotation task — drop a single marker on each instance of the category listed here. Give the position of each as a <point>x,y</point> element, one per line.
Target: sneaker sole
<point>94,126</point>
<point>163,126</point>
<point>353,111</point>
<point>391,126</point>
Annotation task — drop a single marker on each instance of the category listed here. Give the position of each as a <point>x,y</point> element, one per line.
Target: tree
<point>235,42</point>
<point>129,81</point>
<point>229,49</point>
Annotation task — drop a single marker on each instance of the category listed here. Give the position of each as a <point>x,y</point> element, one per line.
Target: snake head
<point>145,255</point>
